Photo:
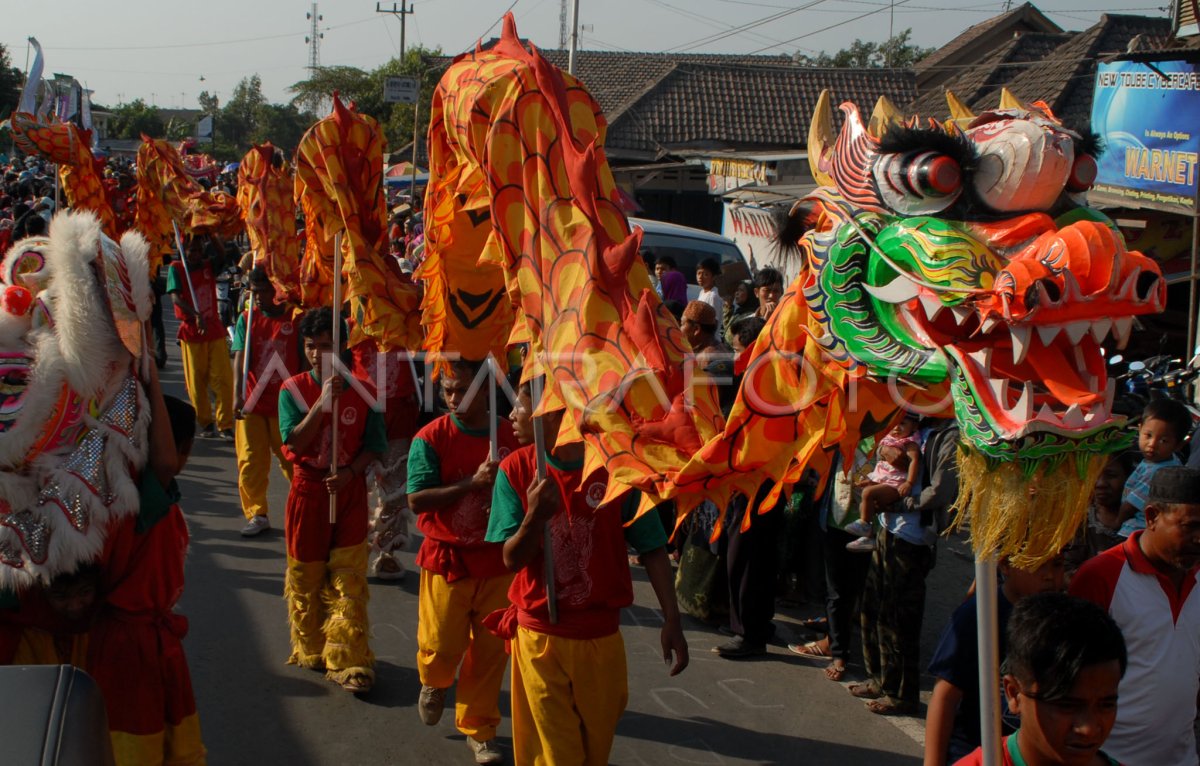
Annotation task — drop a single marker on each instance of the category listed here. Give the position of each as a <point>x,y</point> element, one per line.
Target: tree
<point>10,84</point>
<point>239,117</point>
<point>896,52</point>
<point>281,124</point>
<point>365,89</point>
<point>136,118</point>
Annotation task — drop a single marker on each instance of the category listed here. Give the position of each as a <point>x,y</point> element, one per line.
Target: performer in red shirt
<point>463,577</point>
<point>274,350</point>
<point>326,581</point>
<point>569,684</point>
<point>202,339</point>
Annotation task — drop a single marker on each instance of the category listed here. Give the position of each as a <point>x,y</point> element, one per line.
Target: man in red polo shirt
<point>274,350</point>
<point>569,683</point>
<point>1147,585</point>
<point>463,577</point>
<point>202,339</point>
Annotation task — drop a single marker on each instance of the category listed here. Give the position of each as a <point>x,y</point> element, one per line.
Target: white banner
<point>753,229</point>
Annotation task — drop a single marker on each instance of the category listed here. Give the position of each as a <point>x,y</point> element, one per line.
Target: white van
<point>690,246</point>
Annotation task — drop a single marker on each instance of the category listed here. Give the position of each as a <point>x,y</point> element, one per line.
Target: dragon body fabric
<point>339,184</point>
<point>168,193</point>
<point>265,188</point>
<point>516,147</point>
<point>78,170</point>
<point>952,269</point>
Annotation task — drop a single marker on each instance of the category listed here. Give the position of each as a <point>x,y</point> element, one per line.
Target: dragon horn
<point>821,138</point>
<point>958,110</point>
<point>883,117</point>
<point>1010,101</point>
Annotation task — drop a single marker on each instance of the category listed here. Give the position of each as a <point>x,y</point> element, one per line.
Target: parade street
<point>256,710</point>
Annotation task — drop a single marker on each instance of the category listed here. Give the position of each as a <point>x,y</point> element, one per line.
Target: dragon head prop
<point>73,416</point>
<point>960,259</point>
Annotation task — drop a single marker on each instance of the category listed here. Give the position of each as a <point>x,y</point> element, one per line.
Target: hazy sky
<point>160,49</point>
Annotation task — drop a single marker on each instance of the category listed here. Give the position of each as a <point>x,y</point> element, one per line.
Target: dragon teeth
<point>1020,343</point>
<point>983,358</point>
<point>961,313</point>
<point>1121,329</point>
<point>1023,410</point>
<point>1075,331</point>
<point>1073,418</point>
<point>1048,333</point>
<point>932,305</point>
<point>1100,329</point>
<point>1047,414</point>
<point>1000,391</point>
<point>989,324</point>
<point>899,290</point>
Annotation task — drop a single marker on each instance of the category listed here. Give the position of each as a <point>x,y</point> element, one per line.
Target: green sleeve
<point>375,433</point>
<point>239,334</point>
<point>174,285</point>
<point>290,413</point>
<point>154,500</point>
<point>646,533</point>
<point>424,469</point>
<point>507,510</point>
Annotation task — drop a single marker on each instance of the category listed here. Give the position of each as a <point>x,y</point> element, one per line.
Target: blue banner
<point>1149,119</point>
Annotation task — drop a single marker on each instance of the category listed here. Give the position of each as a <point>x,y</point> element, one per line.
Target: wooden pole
<point>539,441</point>
<point>986,588</point>
<point>1192,297</point>
<point>333,363</point>
<point>187,275</point>
<point>493,436</point>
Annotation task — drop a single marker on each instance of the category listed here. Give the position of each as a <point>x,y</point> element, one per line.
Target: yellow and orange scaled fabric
<point>530,137</point>
<point>339,183</point>
<point>69,147</point>
<point>265,189</point>
<point>166,192</point>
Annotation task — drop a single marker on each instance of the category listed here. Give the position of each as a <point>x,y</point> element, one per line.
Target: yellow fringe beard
<point>1028,519</point>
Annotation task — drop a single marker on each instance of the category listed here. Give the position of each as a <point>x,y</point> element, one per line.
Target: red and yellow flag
<point>614,356</point>
<point>339,182</point>
<point>167,193</point>
<point>265,189</point>
<point>78,171</point>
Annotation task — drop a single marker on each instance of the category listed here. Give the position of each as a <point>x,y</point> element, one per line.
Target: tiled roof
<point>990,74</point>
<point>744,107</point>
<point>655,102</point>
<point>1065,80</point>
<point>1057,69</point>
<point>1023,18</point>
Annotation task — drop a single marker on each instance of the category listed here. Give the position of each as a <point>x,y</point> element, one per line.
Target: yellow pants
<point>327,612</point>
<point>450,631</point>
<point>174,746</point>
<point>206,368</point>
<point>567,696</point>
<point>257,438</point>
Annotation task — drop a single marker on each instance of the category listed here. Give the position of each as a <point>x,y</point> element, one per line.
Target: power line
<point>715,23</point>
<point>685,47</point>
<point>831,26</point>
<point>488,31</point>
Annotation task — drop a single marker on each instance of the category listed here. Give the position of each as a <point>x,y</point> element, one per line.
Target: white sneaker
<point>862,544</point>
<point>256,526</point>
<point>485,752</point>
<point>858,528</point>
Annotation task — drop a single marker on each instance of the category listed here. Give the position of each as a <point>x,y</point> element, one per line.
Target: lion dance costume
<point>73,441</point>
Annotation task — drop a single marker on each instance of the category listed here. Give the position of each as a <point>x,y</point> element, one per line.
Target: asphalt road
<point>258,711</point>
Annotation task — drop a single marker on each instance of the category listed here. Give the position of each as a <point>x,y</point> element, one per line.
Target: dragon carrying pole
<point>539,449</point>
<point>187,274</point>
<point>337,344</point>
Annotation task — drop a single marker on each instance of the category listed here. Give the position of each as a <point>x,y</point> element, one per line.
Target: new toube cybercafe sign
<point>1149,119</point>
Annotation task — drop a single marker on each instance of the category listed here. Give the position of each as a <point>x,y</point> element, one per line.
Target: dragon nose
<point>1044,292</point>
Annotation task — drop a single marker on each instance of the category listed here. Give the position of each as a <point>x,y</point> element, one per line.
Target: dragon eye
<point>933,175</point>
<point>920,182</point>
<point>1083,174</point>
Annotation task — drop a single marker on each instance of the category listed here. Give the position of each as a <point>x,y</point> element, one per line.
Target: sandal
<point>359,683</point>
<point>813,650</point>
<point>888,706</point>
<point>835,670</point>
<point>865,690</point>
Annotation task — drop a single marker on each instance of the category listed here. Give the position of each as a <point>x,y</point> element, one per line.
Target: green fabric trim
<point>563,465</point>
<point>239,334</point>
<point>154,501</point>
<point>424,468</point>
<point>508,512</point>
<point>469,431</point>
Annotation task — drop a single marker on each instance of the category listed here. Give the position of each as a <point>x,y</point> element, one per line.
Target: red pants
<point>310,536</point>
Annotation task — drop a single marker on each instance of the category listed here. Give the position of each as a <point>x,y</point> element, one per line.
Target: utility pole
<point>402,12</point>
<point>574,37</point>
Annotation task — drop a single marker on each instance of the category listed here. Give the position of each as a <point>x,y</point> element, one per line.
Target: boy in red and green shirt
<point>326,581</point>
<point>274,351</point>
<point>569,684</point>
<point>202,339</point>
<point>463,577</point>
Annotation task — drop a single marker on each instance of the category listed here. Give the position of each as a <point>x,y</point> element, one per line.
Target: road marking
<point>745,702</point>
<point>659,693</point>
